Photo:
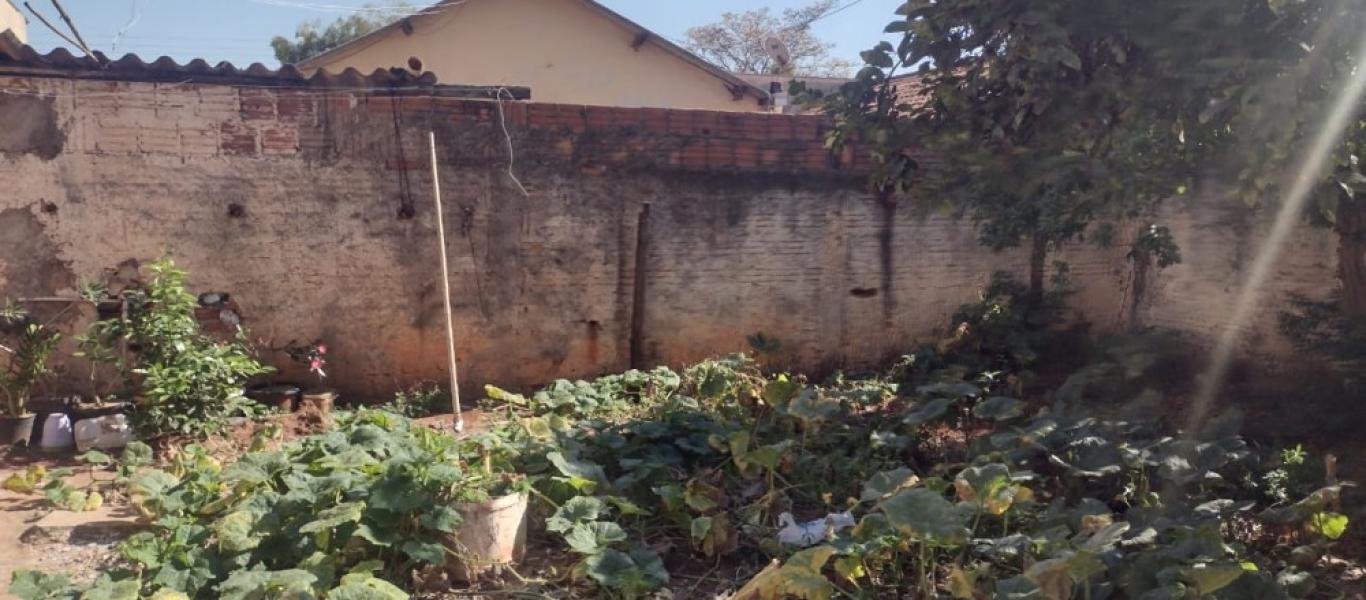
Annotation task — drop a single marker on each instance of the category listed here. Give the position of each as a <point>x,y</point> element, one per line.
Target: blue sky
<point>240,30</point>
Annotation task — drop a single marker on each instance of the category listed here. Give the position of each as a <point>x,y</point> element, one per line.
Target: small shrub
<point>32,346</point>
<point>420,401</point>
<point>184,381</point>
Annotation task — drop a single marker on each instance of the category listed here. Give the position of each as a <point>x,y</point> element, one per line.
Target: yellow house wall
<point>13,20</point>
<point>565,51</point>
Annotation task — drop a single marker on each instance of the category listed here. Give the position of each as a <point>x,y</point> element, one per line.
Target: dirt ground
<point>35,536</point>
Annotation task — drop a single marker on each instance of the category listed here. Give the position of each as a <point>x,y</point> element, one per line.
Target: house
<point>566,51</point>
<point>13,20</point>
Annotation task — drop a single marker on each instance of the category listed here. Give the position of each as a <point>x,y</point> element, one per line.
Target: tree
<point>1052,116</point>
<point>737,41</point>
<point>311,38</point>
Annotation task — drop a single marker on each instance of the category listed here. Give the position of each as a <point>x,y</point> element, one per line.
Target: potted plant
<point>315,356</point>
<point>27,353</point>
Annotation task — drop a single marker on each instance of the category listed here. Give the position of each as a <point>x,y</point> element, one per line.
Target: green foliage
<point>1155,245</point>
<point>1325,328</point>
<point>29,350</point>
<point>1059,504</point>
<point>611,395</point>
<point>1082,499</point>
<point>312,38</point>
<point>188,383</point>
<point>420,401</point>
<point>1292,477</point>
<point>297,519</point>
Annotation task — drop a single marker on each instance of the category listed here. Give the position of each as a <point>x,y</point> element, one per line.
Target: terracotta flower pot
<point>16,430</point>
<point>319,401</point>
<point>283,396</point>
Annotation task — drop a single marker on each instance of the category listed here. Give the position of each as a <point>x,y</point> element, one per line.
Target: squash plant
<point>341,514</point>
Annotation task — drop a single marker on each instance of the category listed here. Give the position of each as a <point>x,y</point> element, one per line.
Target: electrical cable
<point>132,20</point>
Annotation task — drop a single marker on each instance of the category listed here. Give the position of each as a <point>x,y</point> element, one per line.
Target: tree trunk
<point>1352,257</point>
<point>1142,265</point>
<point>1037,258</point>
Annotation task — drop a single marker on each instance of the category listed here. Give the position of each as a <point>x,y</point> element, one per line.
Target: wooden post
<point>637,343</point>
<point>446,288</point>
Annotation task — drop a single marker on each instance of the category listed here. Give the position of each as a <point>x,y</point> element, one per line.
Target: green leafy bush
<point>420,401</point>
<point>336,514</point>
<point>1049,505</point>
<point>185,382</point>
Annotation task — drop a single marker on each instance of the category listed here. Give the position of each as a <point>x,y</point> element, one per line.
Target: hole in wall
<point>236,210</point>
<point>863,292</point>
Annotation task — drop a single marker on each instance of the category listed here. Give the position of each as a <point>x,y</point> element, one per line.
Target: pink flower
<point>322,349</point>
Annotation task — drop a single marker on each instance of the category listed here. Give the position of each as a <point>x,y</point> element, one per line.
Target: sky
<point>239,31</point>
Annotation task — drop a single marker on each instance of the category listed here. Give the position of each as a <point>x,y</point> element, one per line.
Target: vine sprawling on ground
<point>956,486</point>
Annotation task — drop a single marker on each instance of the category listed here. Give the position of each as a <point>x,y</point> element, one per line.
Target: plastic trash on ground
<point>811,532</point>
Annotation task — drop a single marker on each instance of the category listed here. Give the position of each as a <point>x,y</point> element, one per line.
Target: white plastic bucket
<point>493,534</point>
<point>57,433</point>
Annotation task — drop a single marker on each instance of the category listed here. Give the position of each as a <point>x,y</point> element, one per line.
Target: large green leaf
<point>620,571</point>
<point>594,537</point>
<point>363,586</point>
<point>811,405</point>
<point>579,470</point>
<point>887,483</point>
<point>779,392</point>
<point>925,515</point>
<point>1329,524</point>
<point>136,454</point>
<point>927,411</point>
<point>347,512</point>
<point>998,408</point>
<point>106,589</point>
<point>235,532</point>
<point>426,551</point>
<point>35,585</point>
<point>953,389</point>
<point>1209,578</point>
<point>579,509</point>
<point>262,585</point>
<point>442,518</point>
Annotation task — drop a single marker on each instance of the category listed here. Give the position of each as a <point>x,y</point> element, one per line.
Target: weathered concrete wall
<point>314,211</point>
<point>1219,241</point>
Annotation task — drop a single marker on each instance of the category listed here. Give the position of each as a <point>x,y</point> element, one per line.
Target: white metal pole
<point>446,288</point>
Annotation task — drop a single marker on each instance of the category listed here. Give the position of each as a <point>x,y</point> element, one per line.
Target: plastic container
<point>103,433</point>
<point>16,430</point>
<point>493,534</point>
<point>319,401</point>
<point>57,433</point>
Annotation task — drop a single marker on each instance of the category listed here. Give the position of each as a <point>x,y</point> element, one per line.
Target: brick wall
<point>313,209</point>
